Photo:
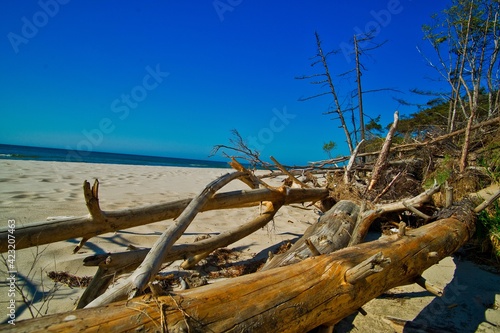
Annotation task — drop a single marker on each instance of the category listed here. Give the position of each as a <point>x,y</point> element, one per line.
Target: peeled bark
<point>296,298</point>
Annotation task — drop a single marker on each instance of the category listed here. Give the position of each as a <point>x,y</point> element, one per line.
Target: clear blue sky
<point>173,78</point>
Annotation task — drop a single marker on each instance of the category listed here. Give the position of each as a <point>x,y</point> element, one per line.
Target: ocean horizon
<point>16,152</point>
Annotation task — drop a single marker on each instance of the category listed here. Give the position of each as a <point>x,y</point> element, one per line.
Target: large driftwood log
<point>332,232</point>
<point>296,298</point>
<point>46,232</point>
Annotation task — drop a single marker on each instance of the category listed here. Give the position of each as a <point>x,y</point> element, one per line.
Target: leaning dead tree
<point>321,289</point>
<point>326,79</point>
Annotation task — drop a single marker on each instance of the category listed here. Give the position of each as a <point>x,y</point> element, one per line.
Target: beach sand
<point>32,191</point>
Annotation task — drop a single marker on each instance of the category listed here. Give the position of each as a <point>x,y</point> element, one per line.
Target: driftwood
<point>46,232</point>
<point>319,290</point>
<point>332,232</point>
<point>350,164</point>
<point>138,281</point>
<point>113,264</point>
<point>367,217</point>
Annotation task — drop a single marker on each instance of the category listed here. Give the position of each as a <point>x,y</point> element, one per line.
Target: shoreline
<point>32,153</point>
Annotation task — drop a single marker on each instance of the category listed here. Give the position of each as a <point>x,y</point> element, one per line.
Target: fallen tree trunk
<point>332,232</point>
<point>296,298</point>
<point>46,232</point>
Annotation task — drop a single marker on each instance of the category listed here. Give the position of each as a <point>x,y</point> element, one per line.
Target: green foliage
<point>328,147</point>
<point>488,227</point>
<point>374,125</point>
<point>418,124</point>
<point>443,172</point>
<point>491,220</point>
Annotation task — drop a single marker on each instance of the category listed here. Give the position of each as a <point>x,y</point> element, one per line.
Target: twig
<point>417,212</point>
<point>384,191</point>
<point>487,202</point>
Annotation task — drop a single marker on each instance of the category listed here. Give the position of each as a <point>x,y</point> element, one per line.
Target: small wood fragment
<point>402,229</point>
<point>416,211</point>
<point>370,266</point>
<point>449,195</point>
<point>313,248</point>
<point>422,282</point>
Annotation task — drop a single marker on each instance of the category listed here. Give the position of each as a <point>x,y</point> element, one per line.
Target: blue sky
<point>173,78</point>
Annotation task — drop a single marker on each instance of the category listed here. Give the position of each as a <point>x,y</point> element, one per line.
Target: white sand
<point>31,191</point>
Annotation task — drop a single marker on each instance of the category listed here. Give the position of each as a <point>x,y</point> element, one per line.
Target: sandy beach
<point>32,191</point>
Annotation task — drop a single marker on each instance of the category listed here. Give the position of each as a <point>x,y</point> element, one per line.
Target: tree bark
<point>296,298</point>
<point>40,233</point>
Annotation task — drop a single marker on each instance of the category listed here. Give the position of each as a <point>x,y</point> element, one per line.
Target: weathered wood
<point>296,298</point>
<point>350,164</point>
<point>135,284</point>
<point>114,264</point>
<point>286,172</point>
<point>332,232</point>
<point>374,264</point>
<point>46,232</point>
<point>384,153</point>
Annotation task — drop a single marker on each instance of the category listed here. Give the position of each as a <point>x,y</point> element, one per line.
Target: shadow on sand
<point>464,303</point>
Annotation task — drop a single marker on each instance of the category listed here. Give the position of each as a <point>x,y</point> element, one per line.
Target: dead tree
<point>326,78</point>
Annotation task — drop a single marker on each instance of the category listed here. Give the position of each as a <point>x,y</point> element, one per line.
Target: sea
<point>62,155</point>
